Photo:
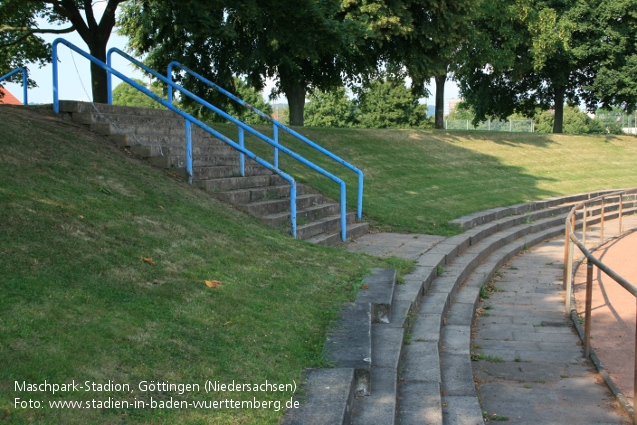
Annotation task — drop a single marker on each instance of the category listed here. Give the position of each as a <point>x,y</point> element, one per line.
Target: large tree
<point>530,54</point>
<point>437,28</point>
<point>608,40</point>
<point>301,44</point>
<point>19,32</point>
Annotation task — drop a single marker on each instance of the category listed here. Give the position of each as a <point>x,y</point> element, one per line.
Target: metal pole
<point>585,218</point>
<point>569,273</point>
<point>621,212</point>
<point>25,86</point>
<point>242,161</point>
<point>566,242</point>
<point>589,302</point>
<point>275,131</point>
<point>189,170</point>
<point>565,254</point>
<point>635,379</point>
<point>601,237</point>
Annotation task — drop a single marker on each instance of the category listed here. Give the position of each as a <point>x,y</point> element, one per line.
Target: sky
<point>75,78</point>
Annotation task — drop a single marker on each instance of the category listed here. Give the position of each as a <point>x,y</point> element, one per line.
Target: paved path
<point>532,369</point>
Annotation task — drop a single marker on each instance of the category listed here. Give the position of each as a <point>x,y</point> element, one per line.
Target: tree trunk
<point>440,101</point>
<point>295,93</point>
<point>98,75</point>
<point>558,119</point>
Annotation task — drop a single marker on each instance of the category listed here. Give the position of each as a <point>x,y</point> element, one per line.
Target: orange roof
<point>8,98</point>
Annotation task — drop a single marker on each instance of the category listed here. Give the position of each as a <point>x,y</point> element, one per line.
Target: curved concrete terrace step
<point>406,380</point>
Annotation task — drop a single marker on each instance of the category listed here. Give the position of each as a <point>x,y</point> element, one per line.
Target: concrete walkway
<point>531,368</point>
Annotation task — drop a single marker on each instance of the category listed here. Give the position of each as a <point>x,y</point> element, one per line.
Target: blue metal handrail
<point>244,127</point>
<point>25,81</point>
<point>276,125</point>
<point>189,119</point>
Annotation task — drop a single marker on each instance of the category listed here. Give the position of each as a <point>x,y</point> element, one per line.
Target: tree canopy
<point>530,54</point>
<point>19,31</point>
<point>302,44</point>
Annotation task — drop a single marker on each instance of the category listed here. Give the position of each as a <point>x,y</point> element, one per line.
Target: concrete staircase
<point>411,364</point>
<point>158,136</point>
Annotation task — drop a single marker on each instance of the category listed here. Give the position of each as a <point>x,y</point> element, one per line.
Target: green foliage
<point>301,44</point>
<point>575,122</point>
<point>543,54</point>
<point>387,103</point>
<point>126,95</point>
<point>18,45</point>
<point>21,23</point>
<point>330,109</point>
<point>253,98</point>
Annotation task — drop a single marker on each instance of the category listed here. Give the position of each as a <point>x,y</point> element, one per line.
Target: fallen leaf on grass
<point>212,283</point>
<point>228,323</point>
<point>160,207</point>
<point>148,260</point>
<point>81,217</point>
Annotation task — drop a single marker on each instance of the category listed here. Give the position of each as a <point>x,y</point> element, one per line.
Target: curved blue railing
<point>189,119</point>
<point>25,81</point>
<point>275,126</point>
<point>242,127</point>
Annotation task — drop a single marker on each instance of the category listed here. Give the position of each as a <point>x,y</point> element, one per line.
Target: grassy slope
<point>76,217</point>
<point>417,180</point>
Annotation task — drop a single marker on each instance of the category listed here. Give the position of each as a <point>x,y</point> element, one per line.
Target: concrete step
<point>349,344</point>
<point>235,183</point>
<point>378,290</point>
<point>482,217</point>
<point>244,196</point>
<point>206,149</point>
<point>329,398</point>
<point>473,247</point>
<point>276,206</point>
<point>73,106</point>
<point>322,225</point>
<point>333,237</point>
<point>379,408</point>
<point>164,141</point>
<point>170,161</point>
<point>138,129</point>
<point>216,172</point>
<point>158,136</point>
<point>307,214</point>
<point>88,118</point>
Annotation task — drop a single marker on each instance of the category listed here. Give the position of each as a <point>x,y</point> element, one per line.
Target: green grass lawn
<point>418,180</point>
<point>77,218</point>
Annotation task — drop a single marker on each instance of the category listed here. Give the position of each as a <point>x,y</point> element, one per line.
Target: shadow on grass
<point>419,180</point>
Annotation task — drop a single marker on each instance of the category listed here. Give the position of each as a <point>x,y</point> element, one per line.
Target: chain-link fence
<point>612,119</point>
<point>519,126</point>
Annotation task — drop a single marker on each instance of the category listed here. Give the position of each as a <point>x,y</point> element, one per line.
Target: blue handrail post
<point>25,82</point>
<point>293,209</point>
<point>343,213</point>
<point>170,79</point>
<point>359,213</point>
<point>56,99</point>
<point>189,151</point>
<point>242,164</point>
<point>275,129</point>
<point>109,80</point>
